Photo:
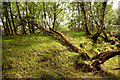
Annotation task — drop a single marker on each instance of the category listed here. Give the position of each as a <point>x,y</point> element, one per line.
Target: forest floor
<point>41,56</point>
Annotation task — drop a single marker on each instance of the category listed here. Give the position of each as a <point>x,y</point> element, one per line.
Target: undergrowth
<point>41,56</point>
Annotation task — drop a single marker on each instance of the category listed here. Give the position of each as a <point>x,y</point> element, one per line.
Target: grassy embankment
<point>38,55</point>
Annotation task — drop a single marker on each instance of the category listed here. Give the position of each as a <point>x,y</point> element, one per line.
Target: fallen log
<point>54,33</point>
<point>95,60</point>
<point>104,56</point>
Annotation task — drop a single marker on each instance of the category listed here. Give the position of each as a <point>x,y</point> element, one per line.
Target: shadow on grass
<point>106,74</point>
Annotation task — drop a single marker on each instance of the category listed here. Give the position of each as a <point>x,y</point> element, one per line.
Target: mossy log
<point>95,60</point>
<point>54,33</point>
<point>104,56</point>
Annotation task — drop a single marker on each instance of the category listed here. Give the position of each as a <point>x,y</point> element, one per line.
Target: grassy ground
<point>41,56</point>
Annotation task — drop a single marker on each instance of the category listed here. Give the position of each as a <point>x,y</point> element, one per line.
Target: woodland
<point>60,40</point>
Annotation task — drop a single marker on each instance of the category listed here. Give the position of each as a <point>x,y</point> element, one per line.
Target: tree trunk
<point>84,18</point>
<point>44,9</point>
<point>91,21</point>
<point>7,27</point>
<point>54,7</point>
<point>15,31</point>
<point>6,16</point>
<point>10,25</point>
<point>24,32</point>
<point>78,6</point>
<point>91,15</point>
<point>32,25</point>
<point>101,22</point>
<point>27,16</point>
<point>4,25</point>
<point>92,18</point>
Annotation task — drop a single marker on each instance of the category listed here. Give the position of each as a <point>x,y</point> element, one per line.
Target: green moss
<point>34,56</point>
